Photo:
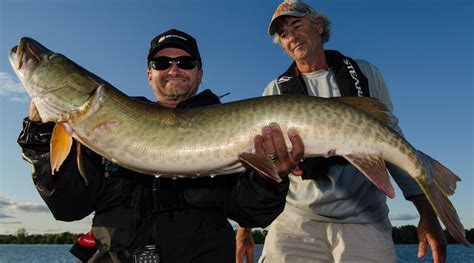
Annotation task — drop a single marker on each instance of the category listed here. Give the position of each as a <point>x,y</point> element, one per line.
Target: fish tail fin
<point>442,185</point>
<point>443,177</point>
<point>446,212</point>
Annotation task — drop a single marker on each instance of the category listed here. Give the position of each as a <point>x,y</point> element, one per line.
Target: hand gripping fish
<point>218,139</point>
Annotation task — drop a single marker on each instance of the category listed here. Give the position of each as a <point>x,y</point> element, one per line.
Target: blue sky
<point>423,48</point>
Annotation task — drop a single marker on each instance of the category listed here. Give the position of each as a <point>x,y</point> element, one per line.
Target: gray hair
<point>315,18</point>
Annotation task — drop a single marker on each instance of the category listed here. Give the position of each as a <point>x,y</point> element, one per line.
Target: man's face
<point>300,38</point>
<point>173,85</point>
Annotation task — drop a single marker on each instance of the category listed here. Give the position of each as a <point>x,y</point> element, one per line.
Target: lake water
<point>60,253</point>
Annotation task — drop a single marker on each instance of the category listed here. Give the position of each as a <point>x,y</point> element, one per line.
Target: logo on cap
<point>167,36</point>
<point>287,7</point>
<point>284,7</point>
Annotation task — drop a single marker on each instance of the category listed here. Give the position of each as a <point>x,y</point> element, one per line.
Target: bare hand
<point>244,245</point>
<point>33,114</point>
<point>272,143</point>
<point>429,231</point>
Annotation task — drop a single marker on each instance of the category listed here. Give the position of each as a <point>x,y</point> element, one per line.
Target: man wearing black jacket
<point>140,217</point>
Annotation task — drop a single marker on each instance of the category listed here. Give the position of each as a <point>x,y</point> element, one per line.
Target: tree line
<point>401,235</point>
<point>407,235</point>
<point>22,237</point>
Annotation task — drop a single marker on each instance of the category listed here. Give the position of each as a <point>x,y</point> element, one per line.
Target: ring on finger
<point>273,156</point>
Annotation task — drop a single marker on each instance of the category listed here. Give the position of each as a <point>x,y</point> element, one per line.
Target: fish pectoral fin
<point>60,146</point>
<point>445,211</point>
<point>80,166</point>
<point>91,105</point>
<point>373,167</point>
<point>262,164</point>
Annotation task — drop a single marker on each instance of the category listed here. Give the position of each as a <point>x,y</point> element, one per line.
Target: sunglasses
<point>183,62</point>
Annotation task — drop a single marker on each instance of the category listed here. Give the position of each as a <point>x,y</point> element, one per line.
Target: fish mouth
<point>27,52</point>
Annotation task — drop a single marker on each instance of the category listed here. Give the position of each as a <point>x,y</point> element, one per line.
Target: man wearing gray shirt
<point>333,213</point>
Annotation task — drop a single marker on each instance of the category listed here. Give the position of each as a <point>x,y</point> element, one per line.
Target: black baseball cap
<point>177,39</point>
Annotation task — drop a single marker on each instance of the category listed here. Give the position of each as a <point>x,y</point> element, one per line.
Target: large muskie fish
<point>218,139</point>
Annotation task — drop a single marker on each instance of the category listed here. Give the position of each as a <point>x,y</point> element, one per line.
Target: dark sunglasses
<point>183,62</point>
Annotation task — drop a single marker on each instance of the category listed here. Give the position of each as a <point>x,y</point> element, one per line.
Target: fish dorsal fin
<point>371,106</point>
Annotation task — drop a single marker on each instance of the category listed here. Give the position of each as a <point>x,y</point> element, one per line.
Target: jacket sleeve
<point>255,201</point>
<point>246,198</point>
<point>65,193</point>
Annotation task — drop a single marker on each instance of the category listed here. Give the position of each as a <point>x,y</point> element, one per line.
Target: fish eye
<point>52,56</point>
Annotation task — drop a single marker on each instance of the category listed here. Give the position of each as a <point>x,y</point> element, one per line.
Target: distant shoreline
<point>401,235</point>
<point>60,253</point>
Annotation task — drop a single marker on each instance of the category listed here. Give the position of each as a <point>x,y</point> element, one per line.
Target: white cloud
<point>14,91</point>
<point>24,99</point>
<point>7,204</point>
<point>402,217</point>
<point>2,215</point>
<point>11,223</point>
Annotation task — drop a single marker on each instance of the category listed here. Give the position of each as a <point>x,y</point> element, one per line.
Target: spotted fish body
<point>218,139</point>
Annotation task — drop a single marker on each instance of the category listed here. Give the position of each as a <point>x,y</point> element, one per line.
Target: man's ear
<point>320,27</point>
<point>148,76</point>
<point>200,72</point>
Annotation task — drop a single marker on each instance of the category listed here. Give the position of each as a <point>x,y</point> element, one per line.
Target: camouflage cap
<point>294,8</point>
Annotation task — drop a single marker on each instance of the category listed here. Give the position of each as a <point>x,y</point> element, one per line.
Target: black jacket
<point>186,218</point>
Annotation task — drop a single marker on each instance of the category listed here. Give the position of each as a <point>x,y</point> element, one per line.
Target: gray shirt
<point>346,195</point>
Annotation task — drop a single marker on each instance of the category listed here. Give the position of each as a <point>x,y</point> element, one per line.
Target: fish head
<point>27,56</point>
<point>56,85</point>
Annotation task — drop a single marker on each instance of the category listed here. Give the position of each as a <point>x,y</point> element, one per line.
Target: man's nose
<point>290,35</point>
<point>174,69</point>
